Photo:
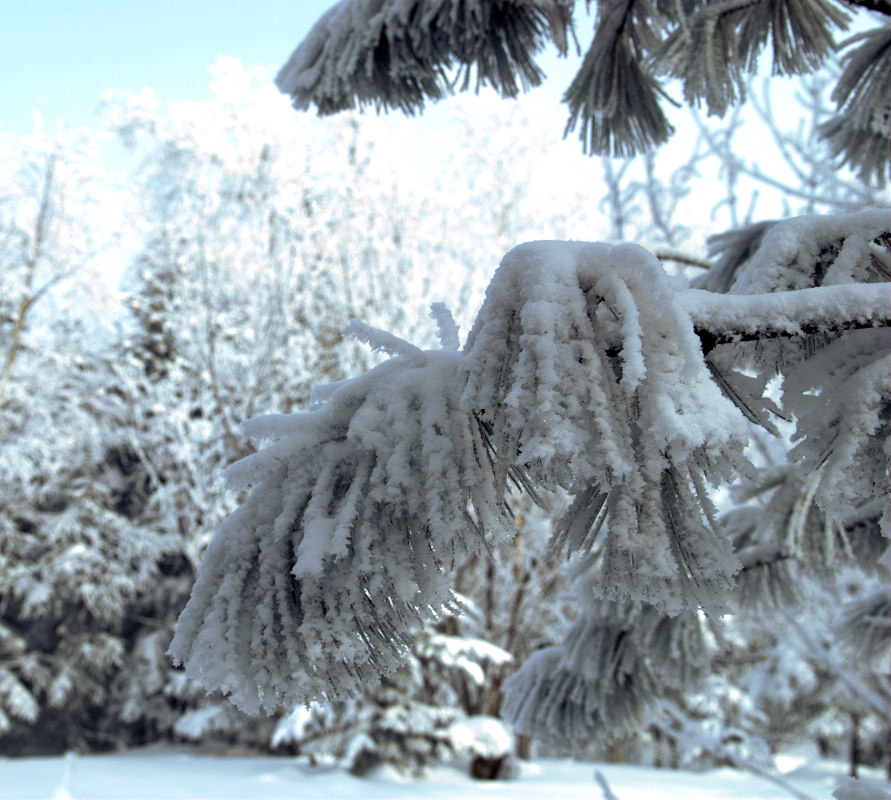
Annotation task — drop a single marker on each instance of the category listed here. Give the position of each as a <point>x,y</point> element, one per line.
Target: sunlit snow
<point>166,774</point>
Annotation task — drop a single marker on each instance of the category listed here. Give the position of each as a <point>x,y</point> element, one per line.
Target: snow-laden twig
<point>63,791</point>
<point>381,341</point>
<point>735,317</point>
<point>448,328</point>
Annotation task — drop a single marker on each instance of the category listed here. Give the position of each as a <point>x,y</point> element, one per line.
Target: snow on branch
<point>794,288</point>
<point>584,371</point>
<point>725,318</point>
<point>357,517</point>
<point>449,338</point>
<point>840,400</point>
<point>398,53</point>
<point>382,341</point>
<point>809,251</point>
<point>590,376</point>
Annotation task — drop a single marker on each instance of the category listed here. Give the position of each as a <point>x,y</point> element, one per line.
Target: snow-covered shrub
<point>488,744</point>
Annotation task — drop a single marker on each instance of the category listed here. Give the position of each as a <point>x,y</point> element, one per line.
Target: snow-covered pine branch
<point>400,53</point>
<point>583,372</point>
<point>607,675</point>
<point>630,435</point>
<point>358,515</point>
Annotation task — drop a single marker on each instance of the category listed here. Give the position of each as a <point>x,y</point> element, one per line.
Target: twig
<point>678,257</point>
<point>604,786</point>
<point>732,161</point>
<point>878,704</point>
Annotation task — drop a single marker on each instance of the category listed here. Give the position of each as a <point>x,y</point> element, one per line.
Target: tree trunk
<point>523,747</point>
<point>854,748</point>
<point>615,751</point>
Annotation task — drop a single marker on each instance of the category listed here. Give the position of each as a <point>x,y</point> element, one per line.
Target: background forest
<point>185,268</point>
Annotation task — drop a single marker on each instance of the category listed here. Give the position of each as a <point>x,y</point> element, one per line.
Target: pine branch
<point>860,132</point>
<point>710,340</point>
<point>726,318</point>
<point>614,95</point>
<point>721,41</point>
<point>398,54</point>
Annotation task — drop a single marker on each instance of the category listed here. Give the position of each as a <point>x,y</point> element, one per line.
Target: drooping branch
<point>397,55</point>
<point>583,372</point>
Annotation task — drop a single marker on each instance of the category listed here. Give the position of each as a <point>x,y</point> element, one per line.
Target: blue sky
<point>59,56</point>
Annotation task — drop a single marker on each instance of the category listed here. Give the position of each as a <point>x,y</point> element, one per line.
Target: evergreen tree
<point>73,566</point>
<point>587,371</point>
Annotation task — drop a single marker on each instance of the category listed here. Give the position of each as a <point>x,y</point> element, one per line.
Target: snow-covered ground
<point>168,773</point>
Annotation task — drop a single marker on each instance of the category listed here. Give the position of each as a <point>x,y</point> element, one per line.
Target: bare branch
<point>665,254</point>
<point>28,296</point>
<point>733,161</point>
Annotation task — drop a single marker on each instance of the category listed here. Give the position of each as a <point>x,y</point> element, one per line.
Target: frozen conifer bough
<point>590,376</point>
<point>586,371</point>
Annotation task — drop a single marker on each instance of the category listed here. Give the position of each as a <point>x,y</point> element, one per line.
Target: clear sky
<point>59,56</point>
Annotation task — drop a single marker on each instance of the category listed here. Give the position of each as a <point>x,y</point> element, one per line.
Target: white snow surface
<point>166,773</point>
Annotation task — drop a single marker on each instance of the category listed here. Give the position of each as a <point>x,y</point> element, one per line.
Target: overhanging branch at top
<point>399,53</point>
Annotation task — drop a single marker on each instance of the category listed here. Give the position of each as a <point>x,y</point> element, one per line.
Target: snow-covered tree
<point>235,261</point>
<point>243,258</point>
<point>406,720</point>
<point>587,371</point>
<point>51,187</point>
<point>68,578</point>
